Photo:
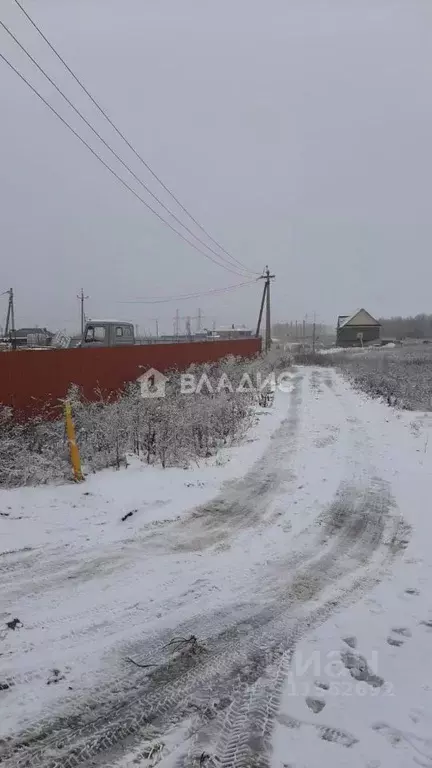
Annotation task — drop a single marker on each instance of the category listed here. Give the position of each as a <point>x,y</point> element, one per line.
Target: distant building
<point>233,332</point>
<point>357,329</point>
<point>33,337</point>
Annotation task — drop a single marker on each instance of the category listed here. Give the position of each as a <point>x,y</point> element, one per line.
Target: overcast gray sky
<point>297,131</point>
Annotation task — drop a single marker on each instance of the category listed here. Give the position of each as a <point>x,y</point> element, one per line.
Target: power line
<point>127,142</point>
<point>125,165</point>
<point>112,171</point>
<point>186,296</point>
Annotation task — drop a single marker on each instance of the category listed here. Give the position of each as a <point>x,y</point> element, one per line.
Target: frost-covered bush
<point>402,377</point>
<point>315,359</point>
<point>171,431</point>
<point>32,452</point>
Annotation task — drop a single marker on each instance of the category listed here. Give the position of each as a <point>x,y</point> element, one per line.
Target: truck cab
<point>107,333</point>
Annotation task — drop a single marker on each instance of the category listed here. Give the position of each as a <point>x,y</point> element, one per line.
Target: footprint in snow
<point>316,705</point>
<point>421,748</point>
<point>351,640</point>
<point>374,606</point>
<point>322,685</point>
<point>403,631</point>
<point>396,641</point>
<point>398,635</point>
<point>326,732</point>
<point>359,669</point>
<point>418,715</point>
<point>427,623</point>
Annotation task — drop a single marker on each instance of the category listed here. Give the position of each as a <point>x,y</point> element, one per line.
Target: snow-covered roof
<point>95,321</point>
<point>347,319</point>
<point>33,331</point>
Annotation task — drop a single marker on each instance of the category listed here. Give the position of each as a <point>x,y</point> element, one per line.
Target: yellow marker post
<point>73,448</point>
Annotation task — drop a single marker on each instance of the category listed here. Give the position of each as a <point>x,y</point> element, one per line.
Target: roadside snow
<point>211,549</point>
<point>81,580</point>
<point>91,512</point>
<point>330,714</point>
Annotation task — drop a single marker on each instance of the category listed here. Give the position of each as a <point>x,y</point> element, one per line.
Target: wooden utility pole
<point>82,299</point>
<point>267,277</point>
<point>314,333</point>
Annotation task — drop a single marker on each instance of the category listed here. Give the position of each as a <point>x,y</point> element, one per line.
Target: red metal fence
<point>32,379</point>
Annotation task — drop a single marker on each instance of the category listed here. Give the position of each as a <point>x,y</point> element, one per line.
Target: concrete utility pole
<point>156,321</point>
<point>10,318</point>
<point>199,320</point>
<point>314,333</point>
<point>267,277</point>
<point>82,299</point>
<point>264,294</point>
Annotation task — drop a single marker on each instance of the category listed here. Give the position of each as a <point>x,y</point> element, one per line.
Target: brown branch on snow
<point>141,666</point>
<point>182,645</point>
<point>185,645</point>
<point>128,514</point>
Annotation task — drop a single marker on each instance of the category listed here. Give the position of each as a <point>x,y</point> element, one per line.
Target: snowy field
<point>300,561</point>
<point>402,374</point>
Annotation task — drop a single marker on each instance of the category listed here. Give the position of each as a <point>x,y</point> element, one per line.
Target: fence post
<point>73,448</point>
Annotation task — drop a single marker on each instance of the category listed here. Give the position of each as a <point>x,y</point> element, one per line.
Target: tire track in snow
<point>243,504</point>
<point>233,690</point>
<point>359,519</point>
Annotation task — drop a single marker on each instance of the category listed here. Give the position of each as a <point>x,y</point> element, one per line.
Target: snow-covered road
<point>300,561</point>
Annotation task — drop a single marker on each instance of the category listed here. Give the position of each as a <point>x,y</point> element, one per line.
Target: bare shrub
<point>401,377</point>
<point>32,452</point>
<point>315,359</point>
<point>170,431</point>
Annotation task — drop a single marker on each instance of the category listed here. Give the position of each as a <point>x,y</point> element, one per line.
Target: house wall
<point>31,380</point>
<point>347,336</point>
